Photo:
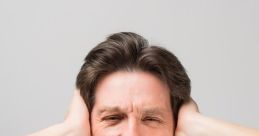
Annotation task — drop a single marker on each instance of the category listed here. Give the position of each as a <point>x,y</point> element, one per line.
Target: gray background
<point>43,43</point>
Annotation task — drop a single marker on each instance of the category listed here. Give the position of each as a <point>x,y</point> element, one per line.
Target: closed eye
<point>113,119</point>
<point>152,119</point>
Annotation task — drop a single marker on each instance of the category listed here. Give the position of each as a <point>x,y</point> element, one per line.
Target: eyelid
<point>113,117</point>
<point>152,118</point>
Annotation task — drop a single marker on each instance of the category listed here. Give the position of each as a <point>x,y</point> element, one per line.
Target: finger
<point>191,106</point>
<point>78,116</point>
<point>77,108</point>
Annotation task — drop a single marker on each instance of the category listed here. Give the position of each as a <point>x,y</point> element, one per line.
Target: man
<point>125,82</point>
<point>132,88</point>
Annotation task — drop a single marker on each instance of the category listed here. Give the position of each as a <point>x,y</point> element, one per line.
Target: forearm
<point>213,127</point>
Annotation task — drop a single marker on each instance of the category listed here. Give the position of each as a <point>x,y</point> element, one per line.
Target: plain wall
<point>43,44</point>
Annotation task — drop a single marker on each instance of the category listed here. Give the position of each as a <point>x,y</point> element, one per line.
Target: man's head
<point>129,86</point>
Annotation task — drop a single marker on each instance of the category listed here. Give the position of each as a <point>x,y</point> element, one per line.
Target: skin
<point>190,121</point>
<point>132,104</point>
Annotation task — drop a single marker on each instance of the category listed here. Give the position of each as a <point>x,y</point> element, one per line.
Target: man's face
<point>132,104</point>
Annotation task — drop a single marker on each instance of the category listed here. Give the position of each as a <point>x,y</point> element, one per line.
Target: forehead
<point>132,89</point>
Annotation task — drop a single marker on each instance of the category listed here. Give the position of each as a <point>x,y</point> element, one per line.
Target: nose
<point>133,128</point>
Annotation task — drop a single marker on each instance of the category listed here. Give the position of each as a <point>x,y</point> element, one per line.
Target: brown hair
<point>127,51</point>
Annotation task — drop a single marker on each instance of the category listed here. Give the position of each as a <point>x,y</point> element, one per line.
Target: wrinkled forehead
<point>129,90</point>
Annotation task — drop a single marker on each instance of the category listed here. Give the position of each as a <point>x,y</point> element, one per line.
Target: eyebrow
<point>109,110</point>
<point>146,111</point>
<point>154,111</point>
